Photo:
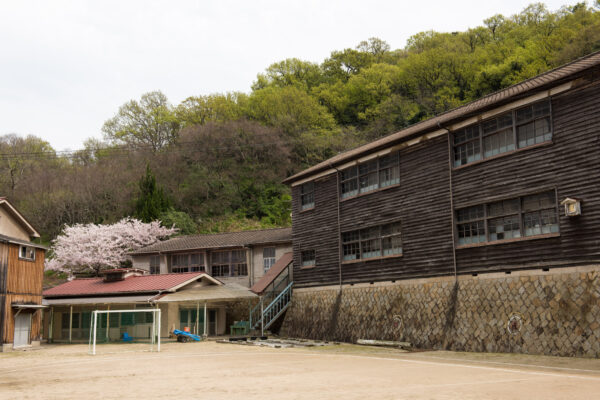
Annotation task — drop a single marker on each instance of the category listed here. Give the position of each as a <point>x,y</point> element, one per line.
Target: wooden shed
<point>21,276</point>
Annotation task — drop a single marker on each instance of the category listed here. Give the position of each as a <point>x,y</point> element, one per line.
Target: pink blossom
<point>91,247</point>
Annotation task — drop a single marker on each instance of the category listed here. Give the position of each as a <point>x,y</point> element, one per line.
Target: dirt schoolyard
<point>210,370</point>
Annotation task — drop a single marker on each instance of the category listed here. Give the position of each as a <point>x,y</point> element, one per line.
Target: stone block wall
<point>554,312</point>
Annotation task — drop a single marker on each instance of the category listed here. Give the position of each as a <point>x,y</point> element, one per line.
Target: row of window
<point>524,216</point>
<point>518,128</point>
<point>223,263</point>
<point>520,217</point>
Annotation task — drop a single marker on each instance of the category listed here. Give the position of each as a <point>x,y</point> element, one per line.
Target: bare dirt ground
<point>210,370</point>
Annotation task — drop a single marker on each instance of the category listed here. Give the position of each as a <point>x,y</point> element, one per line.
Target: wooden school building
<point>505,186</point>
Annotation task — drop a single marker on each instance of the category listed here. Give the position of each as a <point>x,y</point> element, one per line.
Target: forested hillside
<point>220,158</point>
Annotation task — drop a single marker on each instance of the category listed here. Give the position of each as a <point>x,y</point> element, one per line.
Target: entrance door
<point>212,322</point>
<point>22,329</point>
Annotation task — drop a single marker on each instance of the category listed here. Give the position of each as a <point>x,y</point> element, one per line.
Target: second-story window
<point>27,253</point>
<point>155,265</point>
<point>370,175</point>
<point>376,241</point>
<point>268,258</point>
<point>307,195</point>
<point>229,263</point>
<point>519,128</point>
<point>188,262</point>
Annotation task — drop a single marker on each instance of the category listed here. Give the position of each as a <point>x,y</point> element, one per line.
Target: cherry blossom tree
<point>92,248</point>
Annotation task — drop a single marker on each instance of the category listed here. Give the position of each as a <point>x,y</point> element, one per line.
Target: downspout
<point>451,201</point>
<point>339,229</point>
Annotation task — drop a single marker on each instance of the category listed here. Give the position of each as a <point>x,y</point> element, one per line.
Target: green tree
<point>150,122</point>
<point>179,220</point>
<point>152,201</point>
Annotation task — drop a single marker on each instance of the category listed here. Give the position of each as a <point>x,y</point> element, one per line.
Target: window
<point>525,126</point>
<point>307,196</point>
<point>229,263</point>
<point>155,265</point>
<point>378,241</point>
<point>189,262</point>
<point>524,216</point>
<point>370,175</point>
<point>268,257</point>
<point>308,258</point>
<point>27,253</point>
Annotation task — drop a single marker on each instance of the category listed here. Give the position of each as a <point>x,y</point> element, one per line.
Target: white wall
<point>10,227</point>
<point>259,270</point>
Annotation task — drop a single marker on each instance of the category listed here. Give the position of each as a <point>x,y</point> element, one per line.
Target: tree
<point>93,248</point>
<point>152,201</point>
<point>179,220</point>
<point>151,122</point>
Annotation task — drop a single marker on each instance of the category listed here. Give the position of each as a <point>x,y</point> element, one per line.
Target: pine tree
<point>152,201</point>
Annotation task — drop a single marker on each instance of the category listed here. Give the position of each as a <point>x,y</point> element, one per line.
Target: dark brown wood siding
<point>423,211</point>
<point>570,165</point>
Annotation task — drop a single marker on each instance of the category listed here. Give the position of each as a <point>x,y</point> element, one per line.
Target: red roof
<point>131,284</point>
<point>272,273</point>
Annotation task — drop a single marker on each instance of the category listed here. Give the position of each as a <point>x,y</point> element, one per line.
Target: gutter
<point>451,199</point>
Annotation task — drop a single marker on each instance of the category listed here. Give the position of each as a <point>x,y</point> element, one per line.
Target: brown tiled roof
<point>131,284</point>
<point>219,240</point>
<point>511,93</point>
<point>272,273</point>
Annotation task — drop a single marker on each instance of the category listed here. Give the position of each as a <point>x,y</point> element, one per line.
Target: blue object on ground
<point>127,338</point>
<point>183,334</point>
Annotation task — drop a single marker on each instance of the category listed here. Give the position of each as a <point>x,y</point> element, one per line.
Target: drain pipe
<point>339,229</point>
<point>451,200</point>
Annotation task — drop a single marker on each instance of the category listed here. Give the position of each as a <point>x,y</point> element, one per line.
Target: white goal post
<point>155,333</point>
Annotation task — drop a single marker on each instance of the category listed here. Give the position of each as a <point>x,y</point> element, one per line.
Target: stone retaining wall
<point>534,312</point>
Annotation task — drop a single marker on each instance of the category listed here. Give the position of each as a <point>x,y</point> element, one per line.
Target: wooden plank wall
<point>422,204</point>
<point>23,285</point>
<point>424,213</point>
<point>571,164</point>
<point>3,280</point>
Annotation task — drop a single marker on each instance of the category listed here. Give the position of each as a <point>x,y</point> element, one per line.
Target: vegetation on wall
<point>220,158</point>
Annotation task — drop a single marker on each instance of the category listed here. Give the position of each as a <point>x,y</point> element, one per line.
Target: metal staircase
<point>262,316</point>
<point>275,297</point>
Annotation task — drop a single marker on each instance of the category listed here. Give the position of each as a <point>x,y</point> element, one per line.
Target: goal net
<point>125,326</point>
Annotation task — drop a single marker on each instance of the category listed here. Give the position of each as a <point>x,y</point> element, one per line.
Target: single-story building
<point>186,299</point>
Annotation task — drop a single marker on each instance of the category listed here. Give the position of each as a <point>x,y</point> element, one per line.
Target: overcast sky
<point>67,66</point>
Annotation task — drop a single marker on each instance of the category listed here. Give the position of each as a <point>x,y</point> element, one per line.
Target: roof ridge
<point>416,126</point>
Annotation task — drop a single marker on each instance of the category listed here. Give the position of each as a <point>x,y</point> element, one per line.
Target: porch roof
<point>100,300</point>
<point>209,294</point>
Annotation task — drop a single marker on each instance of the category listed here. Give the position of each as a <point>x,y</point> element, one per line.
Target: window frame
<point>230,265</point>
<point>357,238</point>
<point>188,267</point>
<point>521,212</point>
<point>153,268</point>
<point>269,261</point>
<point>307,191</point>
<point>515,125</point>
<point>357,176</point>
<point>313,258</point>
<point>28,250</point>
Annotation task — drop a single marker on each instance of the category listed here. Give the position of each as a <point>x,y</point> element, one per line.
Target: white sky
<point>67,66</point>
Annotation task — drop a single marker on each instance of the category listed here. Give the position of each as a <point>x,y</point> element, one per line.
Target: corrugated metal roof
<point>212,293</point>
<point>219,240</point>
<point>272,273</point>
<point>131,284</point>
<point>519,90</point>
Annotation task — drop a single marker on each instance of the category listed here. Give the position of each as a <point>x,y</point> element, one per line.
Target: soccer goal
<point>128,324</point>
